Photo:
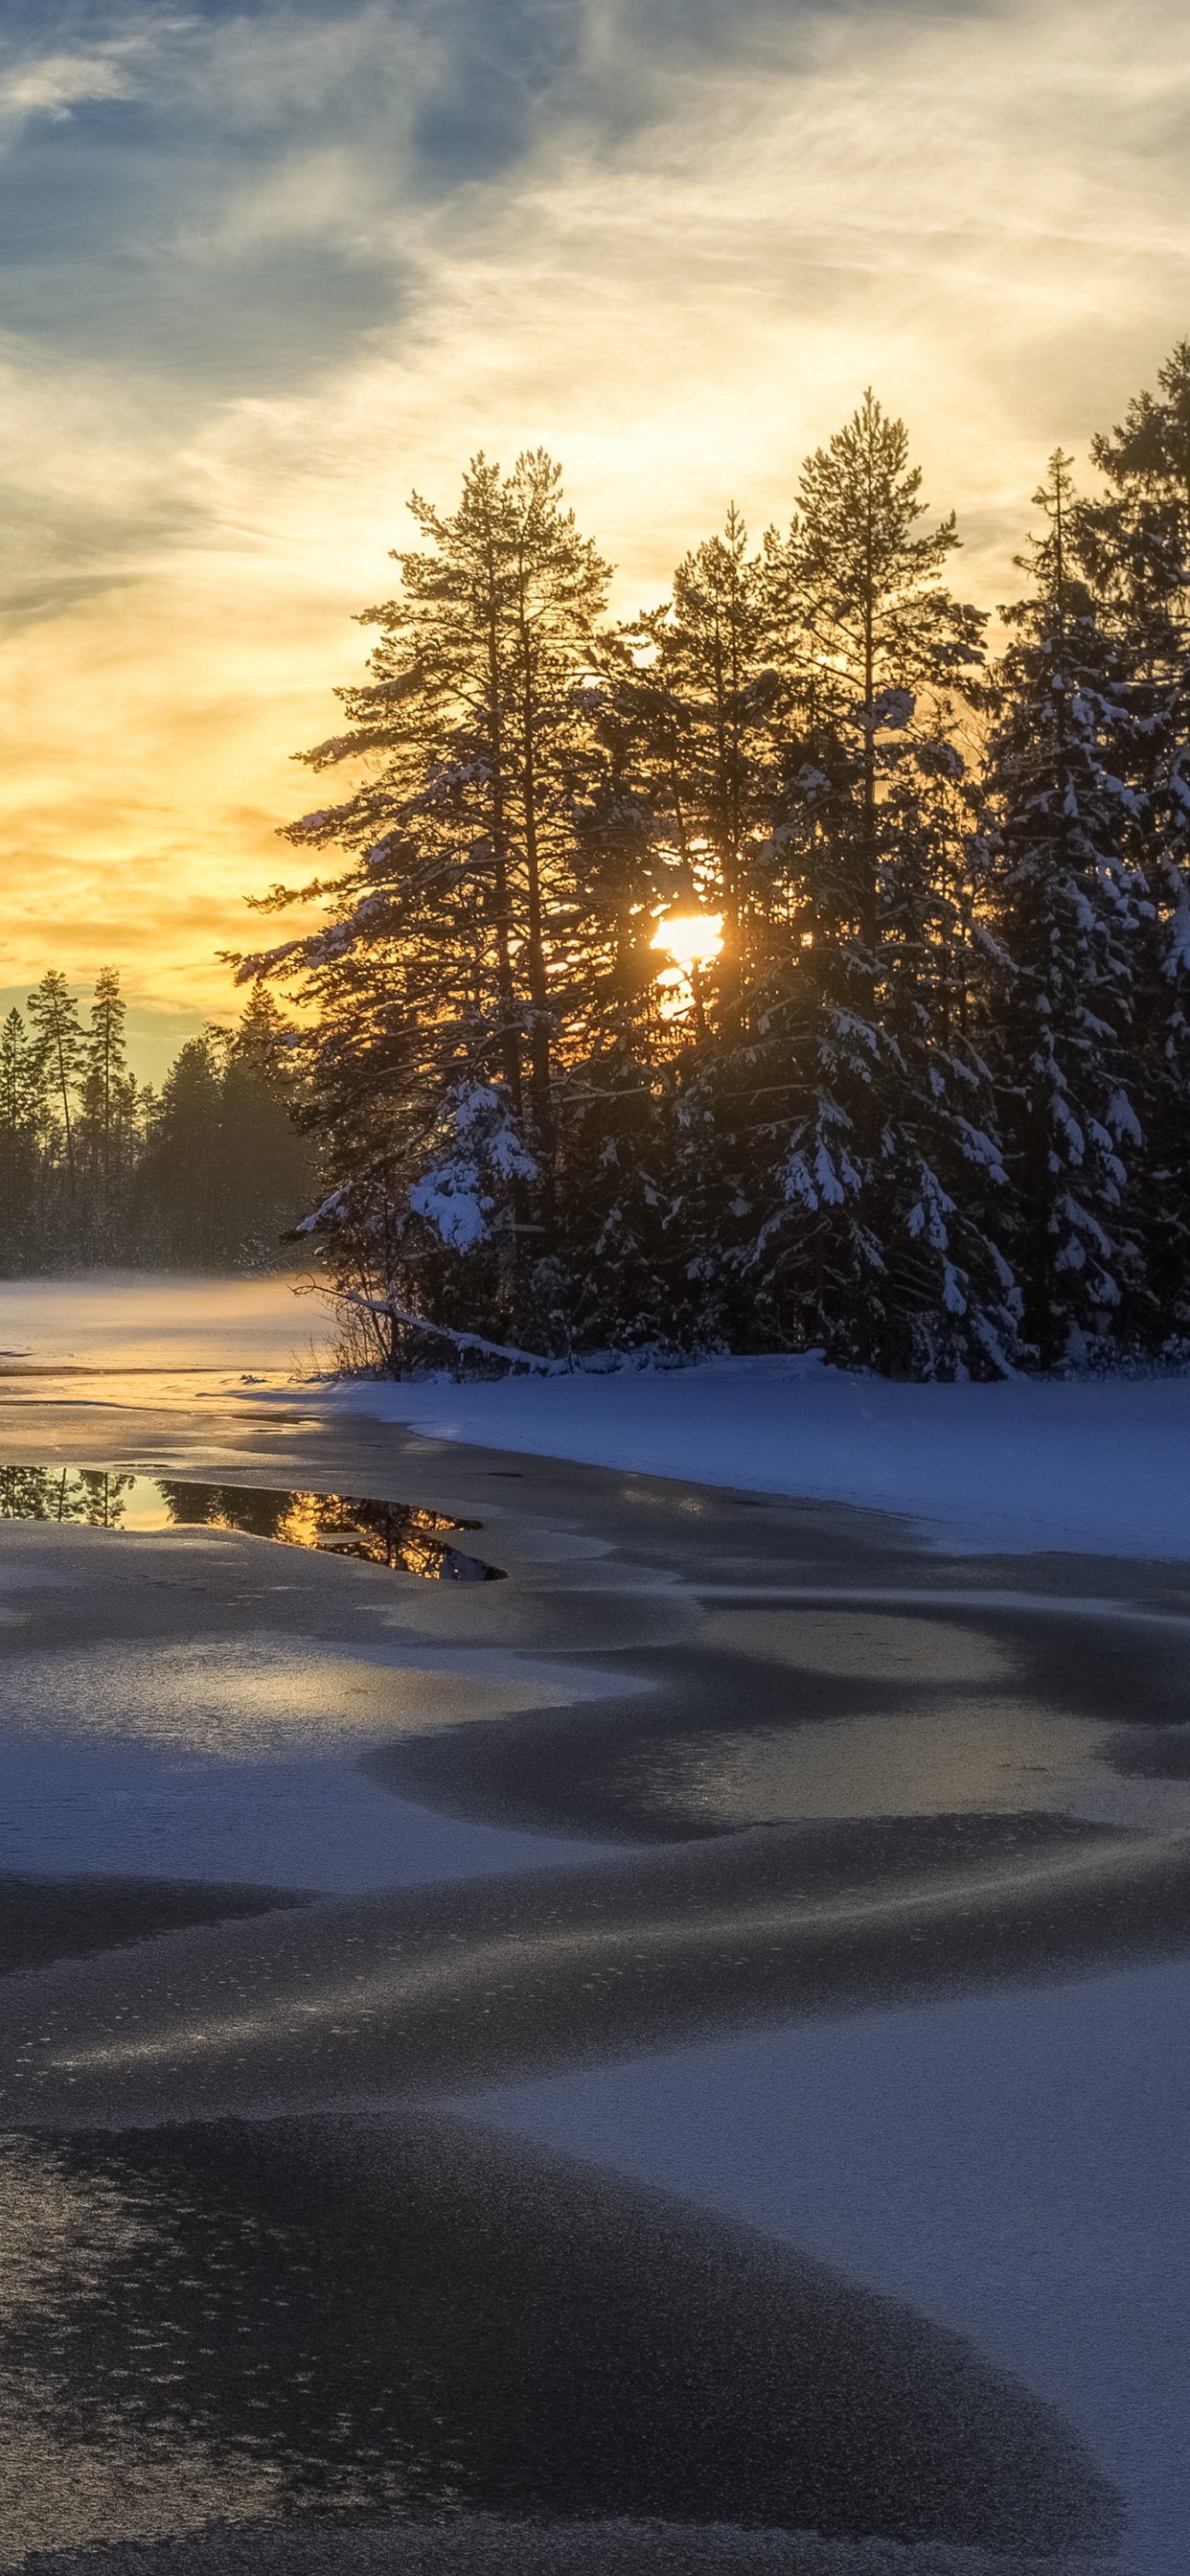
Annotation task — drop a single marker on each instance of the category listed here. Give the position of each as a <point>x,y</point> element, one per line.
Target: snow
<point>240,1761</point>
<point>1012,2165</point>
<point>1095,1465</point>
<point>1099,1465</point>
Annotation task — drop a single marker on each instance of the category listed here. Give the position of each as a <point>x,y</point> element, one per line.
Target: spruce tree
<point>1068,921</point>
<point>180,1190</point>
<point>22,1121</point>
<point>887,1209</point>
<point>268,1168</point>
<point>1134,547</point>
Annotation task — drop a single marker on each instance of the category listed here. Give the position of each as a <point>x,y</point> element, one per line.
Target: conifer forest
<point>786,967</point>
<point>803,963</point>
<point>99,1171</point>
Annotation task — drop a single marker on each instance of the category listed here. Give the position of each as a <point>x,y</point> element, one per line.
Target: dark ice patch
<point>42,1919</point>
<point>422,2319</point>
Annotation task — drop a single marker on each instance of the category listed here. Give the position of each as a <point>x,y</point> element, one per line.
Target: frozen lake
<point>1015,2167</point>
<point>197,1696</point>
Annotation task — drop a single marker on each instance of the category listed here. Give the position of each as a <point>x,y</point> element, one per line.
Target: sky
<point>268,268</point>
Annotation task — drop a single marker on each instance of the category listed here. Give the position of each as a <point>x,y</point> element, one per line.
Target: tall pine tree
<point>447,972</point>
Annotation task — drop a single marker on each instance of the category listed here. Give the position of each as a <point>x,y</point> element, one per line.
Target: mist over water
<point>130,1320</point>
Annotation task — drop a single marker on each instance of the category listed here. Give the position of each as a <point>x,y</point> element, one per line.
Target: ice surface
<point>1096,1465</point>
<point>1013,2165</point>
<point>306,1822</point>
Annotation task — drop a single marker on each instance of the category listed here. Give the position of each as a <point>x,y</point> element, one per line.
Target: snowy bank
<point>1096,1465</point>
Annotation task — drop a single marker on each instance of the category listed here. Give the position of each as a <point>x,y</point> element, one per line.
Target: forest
<point>100,1171</point>
<point>800,963</point>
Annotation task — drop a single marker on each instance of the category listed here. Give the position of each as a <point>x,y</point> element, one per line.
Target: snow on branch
<point>462,1341</point>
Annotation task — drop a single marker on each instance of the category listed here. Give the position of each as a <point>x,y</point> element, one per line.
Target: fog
<point>130,1320</point>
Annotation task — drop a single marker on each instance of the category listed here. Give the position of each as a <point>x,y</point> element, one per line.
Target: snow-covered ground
<point>1082,1464</point>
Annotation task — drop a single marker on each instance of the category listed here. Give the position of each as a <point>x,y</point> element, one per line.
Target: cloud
<point>245,180</point>
<point>59,82</point>
<point>303,262</point>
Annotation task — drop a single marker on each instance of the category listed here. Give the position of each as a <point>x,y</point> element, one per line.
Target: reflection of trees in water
<point>252,1508</point>
<point>424,2319</point>
<point>381,1533</point>
<point>91,1495</point>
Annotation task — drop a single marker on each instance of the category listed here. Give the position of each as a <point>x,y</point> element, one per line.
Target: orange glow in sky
<point>269,273</point>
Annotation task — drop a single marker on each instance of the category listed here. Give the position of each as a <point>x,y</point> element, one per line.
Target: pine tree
<point>59,1038</point>
<point>675,808</point>
<point>445,975</point>
<point>705,699</point>
<point>107,1136</point>
<point>104,1055</point>
<point>1068,921</point>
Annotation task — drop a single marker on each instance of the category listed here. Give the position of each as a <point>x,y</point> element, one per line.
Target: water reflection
<point>400,1535</point>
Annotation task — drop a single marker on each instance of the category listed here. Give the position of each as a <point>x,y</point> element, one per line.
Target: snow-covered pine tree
<point>886,1190</point>
<point>705,699</point>
<point>442,983</point>
<point>1068,904</point>
<point>677,809</point>
<point>1134,547</point>
<point>622,1282</point>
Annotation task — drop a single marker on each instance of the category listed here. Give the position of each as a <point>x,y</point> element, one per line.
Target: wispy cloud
<point>59,82</point>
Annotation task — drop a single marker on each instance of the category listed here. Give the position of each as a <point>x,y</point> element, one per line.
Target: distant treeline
<point>98,1169</point>
<point>773,969</point>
